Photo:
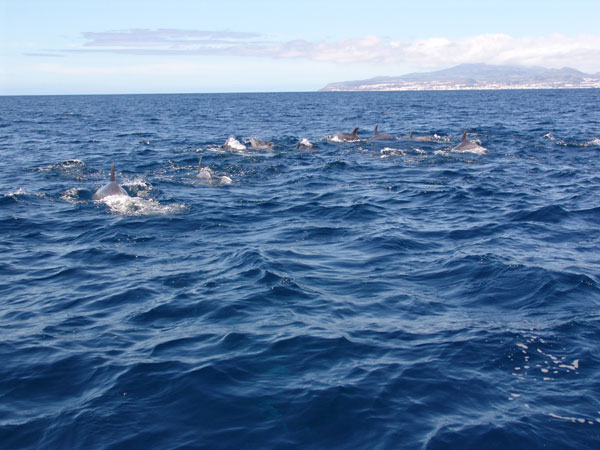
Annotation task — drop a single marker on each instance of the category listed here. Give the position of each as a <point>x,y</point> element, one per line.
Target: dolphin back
<point>111,188</point>
<point>466,146</point>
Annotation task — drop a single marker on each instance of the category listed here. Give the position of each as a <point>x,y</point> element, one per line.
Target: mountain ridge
<point>475,76</point>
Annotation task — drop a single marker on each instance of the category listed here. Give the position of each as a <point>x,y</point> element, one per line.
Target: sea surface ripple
<point>377,294</point>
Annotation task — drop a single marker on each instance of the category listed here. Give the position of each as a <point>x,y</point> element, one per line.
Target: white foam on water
<point>14,194</point>
<point>135,206</point>
<point>20,192</point>
<point>388,151</point>
<point>437,138</point>
<point>71,196</point>
<point>567,366</point>
<point>543,366</point>
<point>210,148</point>
<point>137,182</point>
<point>573,419</point>
<point>68,164</point>
<point>479,150</point>
<point>138,187</point>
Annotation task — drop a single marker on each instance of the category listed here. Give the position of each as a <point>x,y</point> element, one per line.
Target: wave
<point>325,298</point>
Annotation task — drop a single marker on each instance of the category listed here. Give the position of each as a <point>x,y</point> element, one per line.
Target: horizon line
<point>319,91</point>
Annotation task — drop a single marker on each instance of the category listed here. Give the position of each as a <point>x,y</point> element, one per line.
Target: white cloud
<point>160,69</point>
<point>163,38</point>
<point>581,52</point>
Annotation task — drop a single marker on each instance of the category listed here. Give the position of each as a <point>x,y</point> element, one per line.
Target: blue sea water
<point>373,294</point>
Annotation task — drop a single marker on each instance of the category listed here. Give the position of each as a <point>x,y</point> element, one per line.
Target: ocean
<point>375,294</point>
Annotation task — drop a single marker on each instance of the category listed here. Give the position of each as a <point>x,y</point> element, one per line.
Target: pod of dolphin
<point>205,173</point>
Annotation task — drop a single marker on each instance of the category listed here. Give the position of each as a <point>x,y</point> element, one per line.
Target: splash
<point>388,152</point>
<point>336,138</point>
<point>233,144</point>
<point>594,143</point>
<point>138,187</point>
<point>549,136</point>
<point>475,151</point>
<point>136,206</point>
<point>305,144</point>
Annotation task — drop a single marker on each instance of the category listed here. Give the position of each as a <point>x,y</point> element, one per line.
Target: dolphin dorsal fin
<point>464,137</point>
<point>375,132</point>
<point>355,131</point>
<point>112,173</point>
<point>200,164</point>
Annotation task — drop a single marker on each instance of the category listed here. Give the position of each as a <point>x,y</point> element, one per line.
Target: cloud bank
<point>582,52</point>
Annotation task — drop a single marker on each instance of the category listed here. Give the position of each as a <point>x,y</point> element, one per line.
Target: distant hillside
<point>476,76</point>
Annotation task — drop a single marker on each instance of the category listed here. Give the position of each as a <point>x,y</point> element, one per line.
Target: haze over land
<point>476,76</point>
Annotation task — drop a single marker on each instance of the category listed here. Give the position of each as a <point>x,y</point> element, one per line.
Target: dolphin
<point>225,180</point>
<point>203,172</point>
<point>257,143</point>
<point>467,146</point>
<point>377,135</point>
<point>206,174</point>
<point>419,138</point>
<point>111,188</point>
<point>348,137</point>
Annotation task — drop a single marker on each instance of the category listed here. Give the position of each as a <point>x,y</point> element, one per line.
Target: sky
<point>186,46</point>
